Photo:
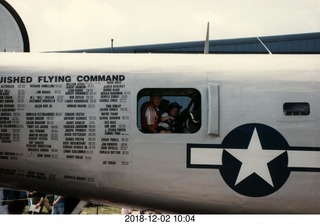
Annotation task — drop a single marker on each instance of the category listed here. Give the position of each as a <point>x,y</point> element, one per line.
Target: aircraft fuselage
<point>246,141</point>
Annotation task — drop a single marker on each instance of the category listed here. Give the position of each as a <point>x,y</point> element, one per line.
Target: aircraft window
<point>296,109</point>
<point>169,110</point>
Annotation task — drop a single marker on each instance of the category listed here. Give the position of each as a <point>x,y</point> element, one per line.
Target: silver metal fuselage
<point>43,149</point>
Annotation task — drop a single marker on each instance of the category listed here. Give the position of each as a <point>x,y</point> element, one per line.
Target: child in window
<point>167,119</point>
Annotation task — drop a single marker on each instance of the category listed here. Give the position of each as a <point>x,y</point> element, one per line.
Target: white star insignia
<point>255,160</point>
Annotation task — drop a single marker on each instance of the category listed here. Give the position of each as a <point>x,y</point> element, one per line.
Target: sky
<point>81,24</point>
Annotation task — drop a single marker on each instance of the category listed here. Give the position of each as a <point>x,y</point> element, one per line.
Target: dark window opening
<point>169,110</point>
<point>296,109</point>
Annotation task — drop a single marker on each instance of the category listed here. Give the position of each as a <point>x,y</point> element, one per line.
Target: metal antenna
<point>111,45</point>
<point>261,42</point>
<point>206,43</point>
<point>264,45</point>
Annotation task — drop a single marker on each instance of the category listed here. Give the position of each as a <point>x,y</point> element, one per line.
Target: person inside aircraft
<point>149,113</point>
<point>187,120</point>
<point>167,119</point>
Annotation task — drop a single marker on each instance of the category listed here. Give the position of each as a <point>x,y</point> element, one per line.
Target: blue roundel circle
<point>242,169</point>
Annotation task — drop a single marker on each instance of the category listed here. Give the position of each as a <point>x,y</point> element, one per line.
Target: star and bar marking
<point>253,167</point>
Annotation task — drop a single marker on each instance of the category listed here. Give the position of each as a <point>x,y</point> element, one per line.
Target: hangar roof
<point>306,43</point>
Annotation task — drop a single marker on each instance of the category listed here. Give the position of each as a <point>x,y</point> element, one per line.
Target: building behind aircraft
<point>306,43</point>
